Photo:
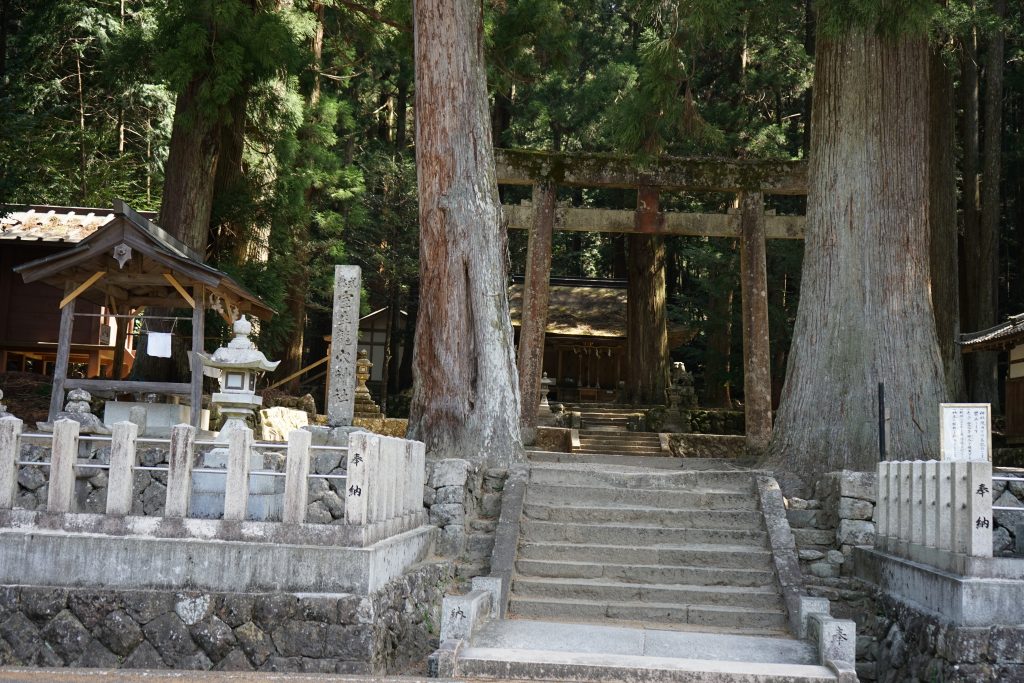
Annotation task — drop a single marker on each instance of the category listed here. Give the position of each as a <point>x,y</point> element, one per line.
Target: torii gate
<point>750,180</point>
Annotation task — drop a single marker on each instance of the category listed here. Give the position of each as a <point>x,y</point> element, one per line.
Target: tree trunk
<point>189,172</point>
<point>465,399</point>
<point>984,247</point>
<point>647,343</point>
<point>865,313</point>
<point>942,223</point>
<point>230,236</point>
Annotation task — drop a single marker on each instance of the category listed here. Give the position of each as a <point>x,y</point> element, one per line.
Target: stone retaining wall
<point>465,502</point>
<point>326,633</point>
<point>826,528</point>
<point>909,646</point>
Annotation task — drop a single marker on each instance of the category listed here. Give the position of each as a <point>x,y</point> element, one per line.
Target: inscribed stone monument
<point>344,340</point>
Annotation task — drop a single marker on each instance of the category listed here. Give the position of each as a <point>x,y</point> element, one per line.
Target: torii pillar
<point>534,314</point>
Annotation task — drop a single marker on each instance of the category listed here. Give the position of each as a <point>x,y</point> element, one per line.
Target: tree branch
<point>373,14</point>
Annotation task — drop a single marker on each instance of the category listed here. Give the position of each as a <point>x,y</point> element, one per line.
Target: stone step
<point>724,556</point>
<point>637,573</point>
<point>592,443</point>
<point>618,591</point>
<point>547,665</point>
<point>621,534</point>
<point>646,516</point>
<point>619,453</point>
<point>650,613</point>
<point>636,478</point>
<point>608,434</point>
<point>569,495</point>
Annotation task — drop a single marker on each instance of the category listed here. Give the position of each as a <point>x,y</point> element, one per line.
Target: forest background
<point>307,110</point>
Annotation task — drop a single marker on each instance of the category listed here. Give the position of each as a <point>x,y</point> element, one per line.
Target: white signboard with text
<point>966,431</point>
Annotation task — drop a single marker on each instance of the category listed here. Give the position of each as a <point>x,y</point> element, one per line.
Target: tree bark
<point>189,172</point>
<point>647,343</point>
<point>984,247</point>
<point>465,399</point>
<point>865,313</point>
<point>942,223</point>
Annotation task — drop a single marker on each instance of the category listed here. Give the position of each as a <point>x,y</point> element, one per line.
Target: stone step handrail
<point>383,484</point>
<point>933,511</point>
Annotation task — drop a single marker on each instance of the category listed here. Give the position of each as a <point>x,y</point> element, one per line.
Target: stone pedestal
<point>364,405</point>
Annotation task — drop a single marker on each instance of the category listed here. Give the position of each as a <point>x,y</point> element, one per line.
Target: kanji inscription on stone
<point>966,431</point>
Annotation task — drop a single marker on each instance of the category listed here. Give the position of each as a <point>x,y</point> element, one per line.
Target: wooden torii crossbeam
<point>131,263</point>
<point>749,180</point>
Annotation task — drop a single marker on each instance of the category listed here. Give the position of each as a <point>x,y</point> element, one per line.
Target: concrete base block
<point>983,596</point>
<point>461,615</point>
<point>806,607</point>
<point>160,417</point>
<point>59,558</point>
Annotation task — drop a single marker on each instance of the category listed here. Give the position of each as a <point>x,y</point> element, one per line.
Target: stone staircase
<point>681,549</point>
<point>605,429</point>
<point>630,572</point>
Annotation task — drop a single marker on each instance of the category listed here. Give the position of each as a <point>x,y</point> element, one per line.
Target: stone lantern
<point>236,367</point>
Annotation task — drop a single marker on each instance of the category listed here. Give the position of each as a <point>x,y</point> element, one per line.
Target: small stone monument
<point>78,408</point>
<point>545,415</point>
<point>681,399</point>
<point>3,407</point>
<point>364,405</point>
<point>236,367</point>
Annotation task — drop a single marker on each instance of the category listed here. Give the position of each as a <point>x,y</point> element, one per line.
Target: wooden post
<point>198,337</point>
<point>120,337</point>
<point>534,316</point>
<point>60,370</point>
<point>757,376</point>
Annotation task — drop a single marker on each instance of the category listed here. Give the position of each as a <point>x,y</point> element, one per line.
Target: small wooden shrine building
<point>130,263</point>
<point>1007,336</point>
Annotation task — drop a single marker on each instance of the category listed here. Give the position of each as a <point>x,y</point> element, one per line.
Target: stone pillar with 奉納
<point>344,341</point>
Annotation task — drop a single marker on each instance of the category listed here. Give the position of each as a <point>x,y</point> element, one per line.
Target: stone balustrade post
<point>63,454</point>
<point>121,477</point>
<point>357,485</point>
<point>296,479</point>
<point>420,470</point>
<point>944,507</point>
<point>882,507</point>
<point>905,499</point>
<point>381,481</point>
<point>179,471</point>
<point>930,499</point>
<point>409,490</point>
<point>399,476</point>
<point>917,511</point>
<point>895,521</point>
<point>10,451</point>
<point>236,491</point>
<point>960,501</point>
<point>979,517</point>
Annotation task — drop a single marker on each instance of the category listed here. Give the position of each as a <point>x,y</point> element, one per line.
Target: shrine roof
<point>56,224</point>
<point>998,337</point>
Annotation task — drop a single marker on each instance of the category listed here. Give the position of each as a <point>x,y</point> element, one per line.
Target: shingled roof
<point>58,224</point>
<point>997,337</point>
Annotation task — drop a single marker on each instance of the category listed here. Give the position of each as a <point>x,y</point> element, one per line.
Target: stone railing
<point>383,484</point>
<point>938,513</point>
